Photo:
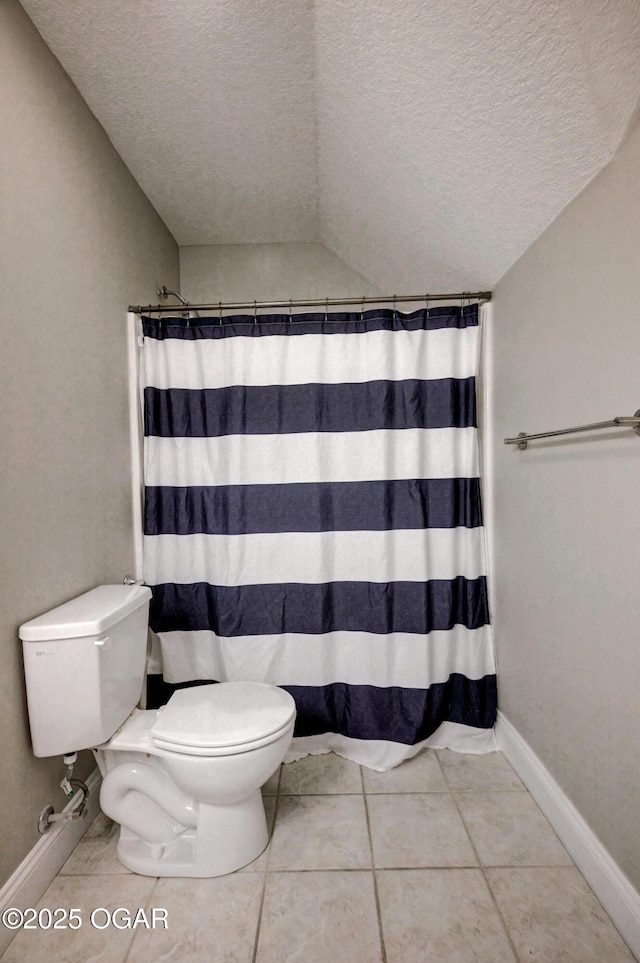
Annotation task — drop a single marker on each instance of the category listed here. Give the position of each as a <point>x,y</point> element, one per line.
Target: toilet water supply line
<point>69,786</point>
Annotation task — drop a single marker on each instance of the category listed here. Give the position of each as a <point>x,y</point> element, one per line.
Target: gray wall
<point>78,242</point>
<point>267,272</point>
<point>566,512</point>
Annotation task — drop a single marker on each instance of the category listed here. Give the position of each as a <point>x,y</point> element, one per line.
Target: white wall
<point>566,513</point>
<point>78,242</point>
<point>267,272</point>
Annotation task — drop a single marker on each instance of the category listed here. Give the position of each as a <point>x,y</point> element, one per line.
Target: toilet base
<point>228,836</point>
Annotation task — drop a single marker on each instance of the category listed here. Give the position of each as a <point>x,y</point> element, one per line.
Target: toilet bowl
<point>182,781</point>
<point>189,803</point>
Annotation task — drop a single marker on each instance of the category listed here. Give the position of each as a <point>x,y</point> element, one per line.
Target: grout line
<point>99,872</point>
<point>259,921</point>
<point>127,955</point>
<point>325,869</point>
<point>315,792</point>
<point>502,791</point>
<point>437,792</point>
<point>276,799</point>
<point>486,880</point>
<point>442,770</point>
<point>245,871</point>
<point>383,951</point>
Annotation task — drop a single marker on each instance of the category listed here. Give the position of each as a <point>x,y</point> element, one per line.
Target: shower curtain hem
<point>381,755</point>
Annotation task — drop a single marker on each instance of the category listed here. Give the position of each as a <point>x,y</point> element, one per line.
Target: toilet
<point>183,781</point>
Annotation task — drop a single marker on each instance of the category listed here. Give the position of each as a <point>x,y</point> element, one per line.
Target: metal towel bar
<point>523,439</point>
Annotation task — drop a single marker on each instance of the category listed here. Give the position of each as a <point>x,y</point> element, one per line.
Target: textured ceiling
<point>426,142</point>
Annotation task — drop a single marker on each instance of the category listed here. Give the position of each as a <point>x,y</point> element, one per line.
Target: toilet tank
<point>84,666</point>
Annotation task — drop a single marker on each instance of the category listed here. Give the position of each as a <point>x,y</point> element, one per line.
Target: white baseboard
<point>42,864</point>
<point>620,899</point>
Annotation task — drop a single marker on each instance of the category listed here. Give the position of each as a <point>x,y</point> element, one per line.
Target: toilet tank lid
<point>88,614</point>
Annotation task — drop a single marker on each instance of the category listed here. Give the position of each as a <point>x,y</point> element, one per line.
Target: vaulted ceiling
<point>425,142</point>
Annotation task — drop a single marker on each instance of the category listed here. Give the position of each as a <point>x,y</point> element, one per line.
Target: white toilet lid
<point>223,714</point>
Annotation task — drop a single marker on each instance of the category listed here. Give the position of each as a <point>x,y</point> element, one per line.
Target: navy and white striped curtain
<point>313,520</point>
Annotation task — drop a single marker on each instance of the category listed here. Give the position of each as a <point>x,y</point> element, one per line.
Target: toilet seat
<point>222,718</point>
<point>187,750</point>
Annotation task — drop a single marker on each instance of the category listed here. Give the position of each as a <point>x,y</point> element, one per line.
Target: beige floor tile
<point>508,829</point>
<point>444,915</point>
<point>418,830</point>
<point>96,851</point>
<point>102,825</point>
<point>326,773</point>
<point>553,917</point>
<point>319,918</point>
<point>489,770</point>
<point>85,893</point>
<point>422,773</point>
<point>320,832</point>
<point>210,921</point>
<point>434,900</point>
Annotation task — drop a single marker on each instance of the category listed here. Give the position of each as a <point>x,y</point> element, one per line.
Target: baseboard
<point>620,899</point>
<point>42,864</point>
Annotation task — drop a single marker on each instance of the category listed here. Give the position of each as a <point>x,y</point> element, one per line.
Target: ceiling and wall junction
<point>424,143</point>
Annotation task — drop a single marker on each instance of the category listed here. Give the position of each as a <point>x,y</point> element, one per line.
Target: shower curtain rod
<point>291,303</point>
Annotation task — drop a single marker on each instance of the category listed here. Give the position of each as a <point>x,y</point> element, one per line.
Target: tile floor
<point>446,858</point>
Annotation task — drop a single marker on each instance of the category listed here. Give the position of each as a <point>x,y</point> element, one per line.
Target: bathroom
<point>558,247</point>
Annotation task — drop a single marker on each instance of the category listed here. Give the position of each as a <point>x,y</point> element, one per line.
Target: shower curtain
<point>313,520</point>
